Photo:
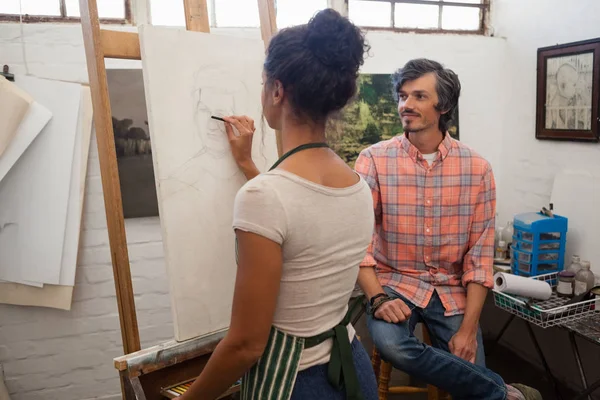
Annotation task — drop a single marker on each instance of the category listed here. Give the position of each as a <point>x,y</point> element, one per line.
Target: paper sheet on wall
<point>51,296</point>
<point>31,125</point>
<point>55,296</point>
<point>14,103</point>
<point>34,194</point>
<point>576,195</point>
<point>189,76</point>
<point>77,189</point>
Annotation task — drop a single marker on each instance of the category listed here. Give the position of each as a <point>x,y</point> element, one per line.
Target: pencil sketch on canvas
<point>569,92</point>
<point>188,77</point>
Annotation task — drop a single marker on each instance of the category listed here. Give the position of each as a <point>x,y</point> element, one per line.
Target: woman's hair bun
<point>317,63</point>
<point>335,41</point>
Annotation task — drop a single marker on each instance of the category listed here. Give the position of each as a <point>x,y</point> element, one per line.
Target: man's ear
<point>442,112</point>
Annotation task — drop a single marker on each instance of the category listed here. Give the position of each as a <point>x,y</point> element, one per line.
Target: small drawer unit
<point>538,245</point>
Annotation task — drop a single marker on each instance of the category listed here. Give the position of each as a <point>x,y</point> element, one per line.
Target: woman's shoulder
<point>261,189</point>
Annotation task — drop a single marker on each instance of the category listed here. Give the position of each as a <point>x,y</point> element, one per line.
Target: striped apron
<point>274,375</point>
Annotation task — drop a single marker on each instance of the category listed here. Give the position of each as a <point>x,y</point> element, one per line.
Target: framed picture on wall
<point>568,91</point>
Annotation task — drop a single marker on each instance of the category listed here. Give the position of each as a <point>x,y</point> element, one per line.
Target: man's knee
<point>395,344</point>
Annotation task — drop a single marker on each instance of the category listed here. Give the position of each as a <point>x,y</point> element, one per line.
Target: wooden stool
<point>383,371</point>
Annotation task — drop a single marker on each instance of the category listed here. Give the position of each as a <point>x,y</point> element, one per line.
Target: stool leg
<point>384,380</point>
<point>433,393</point>
<point>376,361</point>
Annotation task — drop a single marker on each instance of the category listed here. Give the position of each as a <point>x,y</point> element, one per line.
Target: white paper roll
<point>521,286</point>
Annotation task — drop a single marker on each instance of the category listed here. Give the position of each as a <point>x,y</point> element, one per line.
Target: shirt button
<point>428,201</point>
<point>427,230</point>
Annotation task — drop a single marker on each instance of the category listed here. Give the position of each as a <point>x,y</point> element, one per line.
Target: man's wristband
<point>378,302</point>
<point>372,299</point>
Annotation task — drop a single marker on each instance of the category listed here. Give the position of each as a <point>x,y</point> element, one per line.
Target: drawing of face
<point>218,98</point>
<point>213,101</point>
<point>566,80</point>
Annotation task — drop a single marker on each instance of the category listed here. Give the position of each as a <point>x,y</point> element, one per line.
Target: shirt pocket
<point>456,213</point>
<point>400,219</point>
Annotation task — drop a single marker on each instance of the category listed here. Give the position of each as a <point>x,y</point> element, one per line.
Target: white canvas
<point>60,296</point>
<point>14,103</point>
<point>77,188</point>
<point>189,76</point>
<point>576,195</point>
<point>34,194</point>
<point>31,125</point>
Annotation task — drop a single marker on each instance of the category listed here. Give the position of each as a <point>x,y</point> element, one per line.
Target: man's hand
<point>464,345</point>
<point>393,311</point>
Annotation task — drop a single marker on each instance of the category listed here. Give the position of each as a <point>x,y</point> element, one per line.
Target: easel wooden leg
<point>110,175</point>
<point>138,391</point>
<point>132,388</point>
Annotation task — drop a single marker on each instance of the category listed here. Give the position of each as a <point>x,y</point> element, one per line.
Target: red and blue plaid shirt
<point>434,224</point>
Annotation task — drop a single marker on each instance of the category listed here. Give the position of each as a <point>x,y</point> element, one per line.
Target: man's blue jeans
<point>435,364</point>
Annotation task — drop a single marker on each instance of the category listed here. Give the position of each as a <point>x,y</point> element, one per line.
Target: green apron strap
<point>296,150</point>
<point>341,365</point>
<point>341,371</point>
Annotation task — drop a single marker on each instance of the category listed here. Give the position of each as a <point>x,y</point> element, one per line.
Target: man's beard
<point>417,129</point>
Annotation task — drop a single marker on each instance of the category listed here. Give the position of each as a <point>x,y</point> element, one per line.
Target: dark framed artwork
<point>568,91</point>
<point>132,142</point>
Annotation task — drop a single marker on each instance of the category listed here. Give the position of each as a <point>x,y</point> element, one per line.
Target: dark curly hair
<point>447,86</point>
<point>317,64</point>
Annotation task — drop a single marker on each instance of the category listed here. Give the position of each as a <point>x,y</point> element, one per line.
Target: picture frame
<point>568,91</point>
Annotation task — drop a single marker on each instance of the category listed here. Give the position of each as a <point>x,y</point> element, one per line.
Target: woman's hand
<point>241,143</point>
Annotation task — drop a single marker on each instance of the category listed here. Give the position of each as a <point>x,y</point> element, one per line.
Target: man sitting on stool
<point>431,257</point>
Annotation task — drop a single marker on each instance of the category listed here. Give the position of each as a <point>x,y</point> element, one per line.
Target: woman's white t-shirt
<point>324,233</point>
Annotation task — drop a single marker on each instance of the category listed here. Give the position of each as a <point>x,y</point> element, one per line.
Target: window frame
<point>484,8</point>
<point>34,18</point>
<point>212,10</point>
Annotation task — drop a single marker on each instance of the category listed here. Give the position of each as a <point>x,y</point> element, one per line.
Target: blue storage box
<point>538,245</point>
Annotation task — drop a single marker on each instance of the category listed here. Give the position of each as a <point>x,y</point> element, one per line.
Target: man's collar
<point>415,154</point>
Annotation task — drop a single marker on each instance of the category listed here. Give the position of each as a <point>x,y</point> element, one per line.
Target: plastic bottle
<point>498,236</point>
<point>584,279</point>
<point>575,265</point>
<point>508,232</point>
<point>507,236</point>
<point>501,250</point>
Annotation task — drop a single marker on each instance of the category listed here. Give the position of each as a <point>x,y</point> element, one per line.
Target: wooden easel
<point>145,372</point>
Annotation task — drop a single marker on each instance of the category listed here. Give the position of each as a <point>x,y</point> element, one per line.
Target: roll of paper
<point>521,286</point>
